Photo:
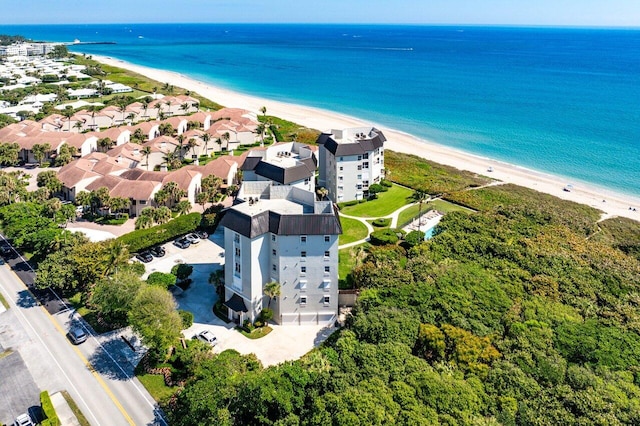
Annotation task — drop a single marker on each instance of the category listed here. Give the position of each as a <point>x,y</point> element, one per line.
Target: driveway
<point>284,343</point>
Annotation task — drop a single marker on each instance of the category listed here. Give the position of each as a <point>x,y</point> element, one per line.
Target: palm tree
<point>78,126</point>
<point>174,192</point>
<point>138,136</point>
<point>83,198</point>
<point>160,197</point>
<point>122,107</point>
<point>183,207</point>
<point>53,206</point>
<point>225,137</point>
<point>180,140</point>
<point>168,104</point>
<point>263,110</point>
<point>272,290</point>
<point>191,144</point>
<point>185,106</point>
<point>323,192</point>
<point>68,112</point>
<point>116,254</point>
<point>105,144</point>
<point>162,215</point>
<point>420,196</point>
<point>202,198</point>
<point>260,128</point>
<point>144,222</point>
<point>146,151</point>
<point>40,151</point>
<point>206,137</point>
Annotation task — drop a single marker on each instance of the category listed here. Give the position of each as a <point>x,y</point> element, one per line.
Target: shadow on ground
<point>103,358</point>
<point>26,300</point>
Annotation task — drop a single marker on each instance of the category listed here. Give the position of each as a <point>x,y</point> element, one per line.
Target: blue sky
<point>502,12</point>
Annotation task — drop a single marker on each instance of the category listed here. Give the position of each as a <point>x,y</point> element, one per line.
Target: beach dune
<point>611,203</point>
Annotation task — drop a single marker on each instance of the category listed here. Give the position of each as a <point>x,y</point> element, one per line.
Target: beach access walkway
<point>394,223</point>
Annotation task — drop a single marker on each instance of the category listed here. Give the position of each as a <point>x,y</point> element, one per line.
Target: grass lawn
<point>385,204</point>
<point>76,410</point>
<point>4,302</point>
<point>440,205</point>
<point>154,383</point>
<point>257,333</point>
<point>352,230</point>
<point>346,262</point>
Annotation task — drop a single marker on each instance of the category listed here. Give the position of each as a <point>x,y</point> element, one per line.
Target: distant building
<point>289,163</point>
<point>281,234</point>
<point>350,161</point>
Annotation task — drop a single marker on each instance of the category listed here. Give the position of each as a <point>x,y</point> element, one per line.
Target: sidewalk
<point>66,416</point>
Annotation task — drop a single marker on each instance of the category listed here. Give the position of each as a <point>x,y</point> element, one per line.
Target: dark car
<point>145,257</point>
<point>77,335</point>
<point>202,234</point>
<point>157,251</point>
<point>182,243</point>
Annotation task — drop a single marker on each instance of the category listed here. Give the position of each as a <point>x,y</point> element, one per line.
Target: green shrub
<point>182,271</point>
<point>142,239</point>
<point>49,412</point>
<point>161,279</point>
<point>187,318</point>
<point>347,204</point>
<point>414,238</point>
<point>385,183</point>
<point>382,222</point>
<point>266,315</point>
<point>383,237</point>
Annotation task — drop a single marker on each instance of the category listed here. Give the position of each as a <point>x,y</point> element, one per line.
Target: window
<point>306,181</point>
<point>359,167</point>
<point>273,267</point>
<point>326,285</point>
<point>303,285</point>
<point>236,238</point>
<point>143,202</point>
<point>365,165</point>
<point>340,187</point>
<point>237,252</point>
<point>237,268</point>
<point>359,186</point>
<point>303,239</point>
<point>303,254</point>
<point>303,270</point>
<point>273,238</point>
<point>327,300</point>
<point>303,300</point>
<point>359,157</point>
<point>327,269</point>
<point>341,158</point>
<point>340,178</point>
<point>341,168</point>
<point>365,156</point>
<point>273,252</point>
<point>327,238</point>
<point>326,254</point>
<point>359,177</point>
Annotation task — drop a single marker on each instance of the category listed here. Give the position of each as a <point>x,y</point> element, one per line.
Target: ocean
<point>565,101</point>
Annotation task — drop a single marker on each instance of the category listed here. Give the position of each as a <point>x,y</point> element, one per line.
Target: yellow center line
<point>82,357</point>
<point>92,370</point>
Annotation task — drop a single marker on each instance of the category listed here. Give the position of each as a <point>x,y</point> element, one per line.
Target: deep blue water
<point>564,101</point>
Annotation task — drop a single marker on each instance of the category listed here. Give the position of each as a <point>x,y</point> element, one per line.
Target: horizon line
<point>472,25</point>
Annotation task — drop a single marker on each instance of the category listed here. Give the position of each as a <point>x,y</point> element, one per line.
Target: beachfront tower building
<point>349,161</point>
<point>289,163</point>
<point>280,233</point>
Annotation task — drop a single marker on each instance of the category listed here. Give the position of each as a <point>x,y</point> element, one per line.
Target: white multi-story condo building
<point>289,163</point>
<point>280,233</point>
<point>350,161</point>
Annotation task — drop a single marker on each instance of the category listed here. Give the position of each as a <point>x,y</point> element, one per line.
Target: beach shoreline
<point>610,202</point>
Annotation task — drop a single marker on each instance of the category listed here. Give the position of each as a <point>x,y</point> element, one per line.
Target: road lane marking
<point>55,360</point>
<point>92,370</point>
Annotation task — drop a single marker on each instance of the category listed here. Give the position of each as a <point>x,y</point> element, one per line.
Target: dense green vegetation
<point>621,233</point>
<point>433,178</point>
<point>510,315</point>
<point>6,40</point>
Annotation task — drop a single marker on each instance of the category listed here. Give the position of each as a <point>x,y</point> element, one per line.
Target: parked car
<point>157,251</point>
<point>192,238</point>
<point>208,337</point>
<point>202,234</point>
<point>77,335</point>
<point>182,243</point>
<point>144,256</point>
<point>24,420</point>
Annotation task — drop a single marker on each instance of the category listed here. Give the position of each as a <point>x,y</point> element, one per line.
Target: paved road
<point>105,392</point>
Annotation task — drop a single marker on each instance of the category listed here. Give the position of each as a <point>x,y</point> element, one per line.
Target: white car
<point>24,420</point>
<point>208,337</point>
<point>192,238</point>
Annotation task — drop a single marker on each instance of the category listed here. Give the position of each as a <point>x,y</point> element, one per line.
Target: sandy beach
<point>610,202</point>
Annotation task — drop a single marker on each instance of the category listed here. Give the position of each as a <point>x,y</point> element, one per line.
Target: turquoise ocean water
<point>562,101</point>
